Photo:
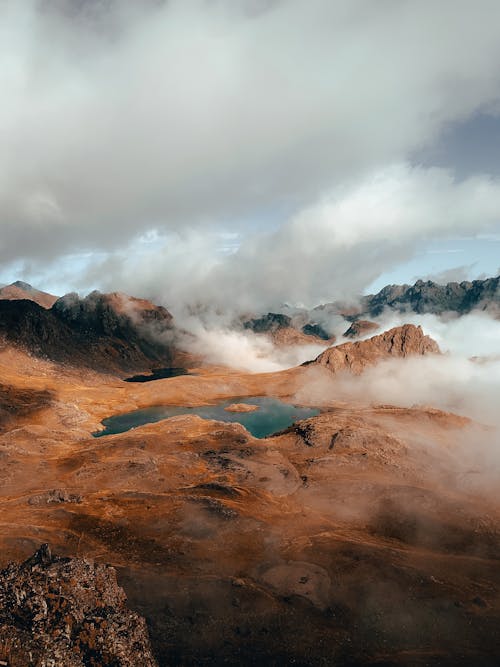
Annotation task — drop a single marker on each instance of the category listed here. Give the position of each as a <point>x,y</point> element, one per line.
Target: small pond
<point>273,415</point>
<point>158,374</point>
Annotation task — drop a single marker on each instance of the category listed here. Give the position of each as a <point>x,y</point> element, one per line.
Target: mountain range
<point>423,297</point>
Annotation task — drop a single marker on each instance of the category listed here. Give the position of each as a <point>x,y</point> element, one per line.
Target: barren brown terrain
<point>355,537</point>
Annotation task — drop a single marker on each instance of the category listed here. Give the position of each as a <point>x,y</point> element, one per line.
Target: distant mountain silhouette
<point>422,297</point>
<point>429,297</point>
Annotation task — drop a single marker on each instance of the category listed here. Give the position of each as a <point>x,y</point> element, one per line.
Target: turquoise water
<point>273,415</point>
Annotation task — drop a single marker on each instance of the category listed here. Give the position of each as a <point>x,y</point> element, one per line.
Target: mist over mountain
<point>110,332</point>
<point>329,321</point>
<point>429,297</point>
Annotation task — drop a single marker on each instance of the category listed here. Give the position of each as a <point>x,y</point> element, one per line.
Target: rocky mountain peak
<point>19,290</point>
<point>401,341</point>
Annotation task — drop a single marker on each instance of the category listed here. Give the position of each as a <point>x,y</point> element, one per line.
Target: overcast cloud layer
<point>289,123</point>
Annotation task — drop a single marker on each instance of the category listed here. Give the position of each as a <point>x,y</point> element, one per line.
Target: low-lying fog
<point>464,379</point>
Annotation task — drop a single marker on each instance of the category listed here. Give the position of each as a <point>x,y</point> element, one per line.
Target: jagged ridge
<point>398,342</point>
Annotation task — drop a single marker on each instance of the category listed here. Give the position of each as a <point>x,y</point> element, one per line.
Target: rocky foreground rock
<point>397,342</point>
<point>68,612</point>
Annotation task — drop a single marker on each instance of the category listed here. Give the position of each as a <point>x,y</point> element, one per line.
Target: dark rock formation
<point>398,342</point>
<point>110,332</point>
<point>268,323</point>
<point>360,328</point>
<point>429,297</point>
<point>68,611</point>
<point>286,331</point>
<point>313,329</point>
<point>422,297</point>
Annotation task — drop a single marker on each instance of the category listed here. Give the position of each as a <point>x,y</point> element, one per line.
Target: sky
<point>247,153</point>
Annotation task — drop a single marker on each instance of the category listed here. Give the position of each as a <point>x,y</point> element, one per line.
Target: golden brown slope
<point>21,290</point>
<point>358,537</point>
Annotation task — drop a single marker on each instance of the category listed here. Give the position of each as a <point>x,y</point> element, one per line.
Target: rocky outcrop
<point>68,611</point>
<point>398,342</point>
<point>21,290</point>
<point>360,328</point>
<point>314,329</point>
<point>110,332</point>
<point>269,323</point>
<point>285,331</point>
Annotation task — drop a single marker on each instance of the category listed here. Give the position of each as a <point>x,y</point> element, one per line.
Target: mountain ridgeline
<point>421,298</point>
<point>107,332</point>
<point>430,297</point>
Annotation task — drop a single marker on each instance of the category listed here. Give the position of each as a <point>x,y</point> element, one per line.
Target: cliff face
<point>110,332</point>
<point>422,297</point>
<point>68,611</point>
<point>398,342</point>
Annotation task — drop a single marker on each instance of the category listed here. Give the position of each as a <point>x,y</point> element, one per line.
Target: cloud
<point>456,274</point>
<point>329,251</point>
<point>182,116</point>
<point>464,379</point>
<point>244,350</point>
<point>453,382</point>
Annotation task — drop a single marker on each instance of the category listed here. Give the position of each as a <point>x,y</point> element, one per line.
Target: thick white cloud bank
<point>328,251</point>
<point>289,123</point>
